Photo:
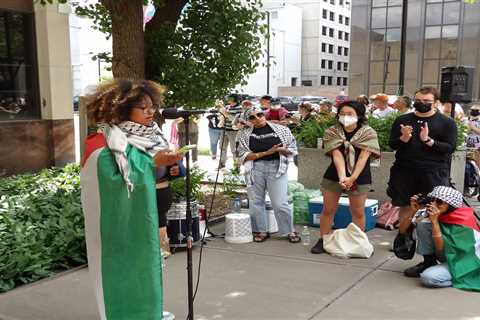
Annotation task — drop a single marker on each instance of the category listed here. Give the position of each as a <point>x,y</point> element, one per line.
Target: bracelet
<point>437,235</point>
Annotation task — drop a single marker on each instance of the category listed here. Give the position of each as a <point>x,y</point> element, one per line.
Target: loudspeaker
<point>457,83</point>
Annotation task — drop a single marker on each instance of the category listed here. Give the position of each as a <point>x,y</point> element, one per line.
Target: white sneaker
<point>168,315</point>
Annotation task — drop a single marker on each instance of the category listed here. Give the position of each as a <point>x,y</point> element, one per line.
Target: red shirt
<point>279,114</point>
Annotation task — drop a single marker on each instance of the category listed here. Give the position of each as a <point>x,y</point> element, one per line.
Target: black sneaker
<point>318,247</point>
<point>415,271</point>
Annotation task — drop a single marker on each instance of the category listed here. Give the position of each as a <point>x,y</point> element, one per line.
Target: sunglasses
<point>148,110</point>
<point>256,116</point>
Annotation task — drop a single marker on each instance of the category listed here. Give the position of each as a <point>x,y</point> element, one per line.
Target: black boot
<point>415,271</point>
<point>318,247</point>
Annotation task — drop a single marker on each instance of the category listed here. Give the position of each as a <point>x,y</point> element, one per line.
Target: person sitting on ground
<point>265,150</point>
<point>403,105</point>
<point>276,113</point>
<point>350,143</point>
<point>380,107</point>
<point>448,235</point>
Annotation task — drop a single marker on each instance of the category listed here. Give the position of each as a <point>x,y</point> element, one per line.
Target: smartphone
<point>186,148</point>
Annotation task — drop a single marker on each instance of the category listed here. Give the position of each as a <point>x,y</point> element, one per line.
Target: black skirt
<point>164,202</point>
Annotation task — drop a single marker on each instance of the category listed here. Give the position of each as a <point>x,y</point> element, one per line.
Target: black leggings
<point>164,202</point>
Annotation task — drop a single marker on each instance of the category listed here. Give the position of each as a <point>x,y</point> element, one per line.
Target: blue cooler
<point>343,217</point>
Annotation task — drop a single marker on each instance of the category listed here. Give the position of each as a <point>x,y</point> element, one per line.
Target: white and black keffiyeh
<point>146,138</point>
<point>448,195</point>
<point>243,149</point>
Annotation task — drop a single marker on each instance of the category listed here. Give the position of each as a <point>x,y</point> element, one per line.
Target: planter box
<point>312,164</point>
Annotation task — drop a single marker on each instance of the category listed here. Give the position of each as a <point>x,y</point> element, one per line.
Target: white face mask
<point>347,120</point>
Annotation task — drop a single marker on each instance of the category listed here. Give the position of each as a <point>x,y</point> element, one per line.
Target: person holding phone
<point>265,150</point>
<point>350,143</point>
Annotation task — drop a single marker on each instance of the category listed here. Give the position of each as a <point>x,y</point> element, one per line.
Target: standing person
<point>424,142</point>
<point>380,106</point>
<point>265,150</point>
<point>473,137</point>
<point>326,107</point>
<point>363,99</point>
<point>231,111</point>
<point>403,105</point>
<point>241,120</point>
<point>118,199</point>
<point>192,132</point>
<point>215,128</point>
<point>350,143</point>
<point>265,102</point>
<point>276,113</point>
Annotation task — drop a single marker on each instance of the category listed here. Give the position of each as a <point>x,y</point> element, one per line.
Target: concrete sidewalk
<point>270,280</point>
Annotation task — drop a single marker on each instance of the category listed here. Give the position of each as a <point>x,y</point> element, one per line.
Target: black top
<point>213,121</point>
<point>365,176</point>
<point>263,139</point>
<point>416,154</point>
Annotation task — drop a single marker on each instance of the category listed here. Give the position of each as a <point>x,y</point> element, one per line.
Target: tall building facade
<point>439,33</point>
<point>325,42</point>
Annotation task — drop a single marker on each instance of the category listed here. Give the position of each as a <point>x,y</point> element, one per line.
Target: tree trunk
<point>128,56</point>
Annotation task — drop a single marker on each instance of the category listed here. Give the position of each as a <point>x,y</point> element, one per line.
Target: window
<point>339,50</point>
<point>322,80</point>
<point>330,64</point>
<point>329,81</point>
<point>345,66</point>
<point>18,80</point>
<point>330,48</point>
<point>307,83</point>
<point>332,2</point>
<point>294,82</point>
<point>324,14</point>
<point>346,37</point>
<point>340,34</point>
<point>324,47</point>
<point>323,63</point>
<point>332,16</point>
<point>340,2</point>
<point>344,81</point>
<point>345,51</point>
<point>340,18</point>
<point>339,81</point>
<point>330,32</point>
<point>324,31</point>
<point>339,65</point>
<point>347,21</point>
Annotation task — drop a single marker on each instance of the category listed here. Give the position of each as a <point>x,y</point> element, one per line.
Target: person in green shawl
<point>351,143</point>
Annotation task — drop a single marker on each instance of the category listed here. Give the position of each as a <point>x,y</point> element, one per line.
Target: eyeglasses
<point>256,116</point>
<point>424,101</point>
<point>148,110</point>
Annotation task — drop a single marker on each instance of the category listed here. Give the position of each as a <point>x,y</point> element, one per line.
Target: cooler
<point>343,217</point>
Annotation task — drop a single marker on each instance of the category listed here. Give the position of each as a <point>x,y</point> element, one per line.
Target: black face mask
<point>422,107</point>
<point>474,113</point>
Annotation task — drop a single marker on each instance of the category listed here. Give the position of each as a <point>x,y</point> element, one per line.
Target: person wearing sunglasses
<point>450,235</point>
<point>265,150</point>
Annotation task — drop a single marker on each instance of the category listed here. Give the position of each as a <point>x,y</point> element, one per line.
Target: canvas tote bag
<point>350,242</point>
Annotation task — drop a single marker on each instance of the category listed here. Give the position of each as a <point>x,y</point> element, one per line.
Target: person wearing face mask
<point>424,142</point>
<point>276,113</point>
<point>473,137</point>
<point>350,143</point>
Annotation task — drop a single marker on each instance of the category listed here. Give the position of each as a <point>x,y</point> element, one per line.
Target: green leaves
<point>178,185</point>
<point>41,225</point>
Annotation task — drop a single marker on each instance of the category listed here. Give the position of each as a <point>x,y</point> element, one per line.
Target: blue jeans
<point>437,276</point>
<point>215,135</point>
<point>264,180</point>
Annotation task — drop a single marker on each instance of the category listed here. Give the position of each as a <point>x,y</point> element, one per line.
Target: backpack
<point>388,216</point>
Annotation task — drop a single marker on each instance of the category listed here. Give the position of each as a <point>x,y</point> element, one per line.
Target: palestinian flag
<point>122,233</point>
<point>461,235</point>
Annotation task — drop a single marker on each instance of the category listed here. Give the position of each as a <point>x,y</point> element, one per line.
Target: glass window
<point>323,63</point>
<point>432,32</point>
<point>395,2</point>
<point>330,48</point>
<point>332,2</point>
<point>324,31</point>
<point>324,14</point>
<point>347,21</point>
<point>332,16</point>
<point>330,32</point>
<point>379,3</point>
<point>339,50</point>
<point>340,33</point>
<point>379,18</point>
<point>322,80</point>
<point>393,72</point>
<point>339,65</point>
<point>376,72</point>
<point>330,64</point>
<point>393,43</point>
<point>430,71</point>
<point>344,81</point>
<point>339,81</point>
<point>329,81</point>
<point>394,17</point>
<point>345,51</point>
<point>324,47</point>
<point>346,38</point>
<point>450,32</point>
<point>340,18</point>
<point>377,46</point>
<point>451,12</point>
<point>449,49</point>
<point>432,48</point>
<point>18,85</point>
<point>447,63</point>
<point>434,14</point>
<point>345,66</point>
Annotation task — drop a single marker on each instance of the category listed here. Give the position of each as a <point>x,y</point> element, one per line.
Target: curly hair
<point>113,101</point>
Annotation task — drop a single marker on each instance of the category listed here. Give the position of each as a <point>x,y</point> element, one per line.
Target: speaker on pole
<point>457,83</point>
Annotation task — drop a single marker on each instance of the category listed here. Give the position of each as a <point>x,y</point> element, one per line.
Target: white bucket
<point>238,228</point>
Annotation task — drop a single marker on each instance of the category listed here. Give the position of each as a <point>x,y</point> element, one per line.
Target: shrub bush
<point>41,225</point>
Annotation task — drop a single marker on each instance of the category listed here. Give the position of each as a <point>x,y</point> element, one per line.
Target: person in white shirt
<point>403,105</point>
<point>380,108</point>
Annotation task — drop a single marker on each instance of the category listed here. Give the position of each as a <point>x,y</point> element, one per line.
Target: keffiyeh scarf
<point>365,139</point>
<point>146,138</point>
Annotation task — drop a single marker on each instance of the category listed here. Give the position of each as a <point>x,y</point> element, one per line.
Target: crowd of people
<point>130,158</point>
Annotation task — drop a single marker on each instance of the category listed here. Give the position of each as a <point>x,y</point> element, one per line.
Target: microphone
<point>174,113</point>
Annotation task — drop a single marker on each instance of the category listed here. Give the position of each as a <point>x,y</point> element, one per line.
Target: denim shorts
<point>334,186</point>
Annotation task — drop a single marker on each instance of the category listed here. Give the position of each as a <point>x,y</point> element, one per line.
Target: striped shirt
<point>232,113</point>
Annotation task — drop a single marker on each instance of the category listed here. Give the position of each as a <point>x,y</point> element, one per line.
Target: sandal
<point>261,237</point>
<point>294,237</point>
